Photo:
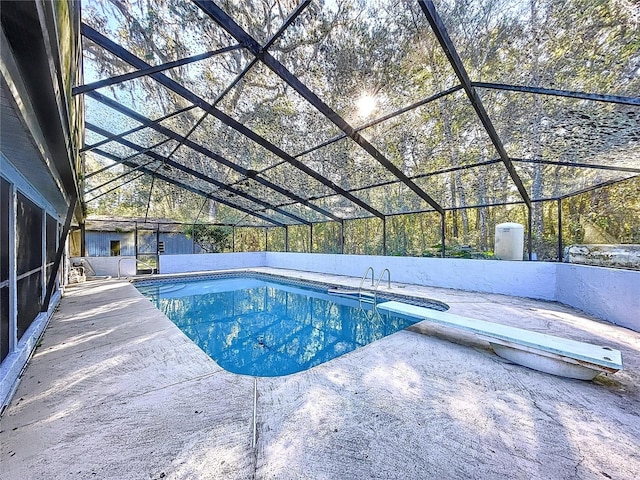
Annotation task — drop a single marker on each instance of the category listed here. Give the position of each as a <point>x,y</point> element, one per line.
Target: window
<point>115,248</point>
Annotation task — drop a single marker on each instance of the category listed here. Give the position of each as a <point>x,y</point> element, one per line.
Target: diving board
<point>559,356</point>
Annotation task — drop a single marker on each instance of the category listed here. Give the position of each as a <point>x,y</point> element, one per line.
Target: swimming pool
<point>254,325</point>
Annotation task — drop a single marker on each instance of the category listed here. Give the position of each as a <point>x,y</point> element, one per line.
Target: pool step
<point>363,296</point>
<point>350,293</point>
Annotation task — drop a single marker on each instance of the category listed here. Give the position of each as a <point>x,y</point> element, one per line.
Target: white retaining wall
<point>610,294</point>
<point>607,293</point>
<point>522,279</point>
<point>210,261</point>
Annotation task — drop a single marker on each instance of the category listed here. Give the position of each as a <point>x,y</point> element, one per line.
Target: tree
<point>211,238</point>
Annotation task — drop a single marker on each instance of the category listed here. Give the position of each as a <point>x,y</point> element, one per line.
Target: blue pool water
<point>258,327</point>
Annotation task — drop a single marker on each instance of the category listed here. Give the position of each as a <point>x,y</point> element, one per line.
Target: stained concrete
<point>116,391</point>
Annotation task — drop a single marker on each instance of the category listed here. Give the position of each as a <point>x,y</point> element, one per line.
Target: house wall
<point>22,287</point>
<point>39,141</point>
<point>98,244</point>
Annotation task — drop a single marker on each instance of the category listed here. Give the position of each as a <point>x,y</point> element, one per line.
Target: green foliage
<point>211,238</point>
<point>276,239</point>
<point>250,239</point>
<point>299,239</point>
<point>327,237</point>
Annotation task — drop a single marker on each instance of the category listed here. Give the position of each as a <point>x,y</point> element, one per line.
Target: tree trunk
<point>536,140</point>
<point>463,203</point>
<point>454,203</point>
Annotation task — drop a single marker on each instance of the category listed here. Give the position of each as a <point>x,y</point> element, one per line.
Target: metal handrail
<point>137,261</point>
<point>85,263</point>
<point>364,277</point>
<point>388,278</point>
<point>375,291</point>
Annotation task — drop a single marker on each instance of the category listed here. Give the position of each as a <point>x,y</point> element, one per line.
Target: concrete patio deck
<point>116,391</point>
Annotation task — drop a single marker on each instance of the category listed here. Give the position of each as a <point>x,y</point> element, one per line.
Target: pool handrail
<point>375,291</point>
<point>364,277</point>
<point>153,269</point>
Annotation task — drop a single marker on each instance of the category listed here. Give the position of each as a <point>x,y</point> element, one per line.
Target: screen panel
<point>28,235</point>
<point>268,106</point>
<point>296,181</point>
<point>276,239</point>
<point>363,236</point>
<point>442,134</point>
<point>29,291</point>
<point>223,140</point>
<point>554,181</point>
<point>478,185</point>
<point>588,46</point>
<point>327,237</point>
<point>300,239</point>
<point>393,198</point>
<point>416,235</point>
<point>4,229</point>
<point>99,64</point>
<point>365,59</point>
<point>250,239</point>
<point>565,130</point>
<point>145,96</point>
<point>97,113</point>
<point>4,322</point>
<point>347,165</point>
<point>156,34</point>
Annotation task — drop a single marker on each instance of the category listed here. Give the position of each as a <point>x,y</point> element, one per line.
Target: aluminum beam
<point>148,71</point>
<point>189,171</point>
<point>450,51</point>
<point>59,253</point>
<point>596,97</point>
<point>225,21</point>
<point>214,156</point>
<point>128,57</point>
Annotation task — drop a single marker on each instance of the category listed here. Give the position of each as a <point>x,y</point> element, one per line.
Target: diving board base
<point>544,363</point>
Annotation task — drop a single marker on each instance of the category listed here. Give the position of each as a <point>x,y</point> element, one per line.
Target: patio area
<point>115,390</point>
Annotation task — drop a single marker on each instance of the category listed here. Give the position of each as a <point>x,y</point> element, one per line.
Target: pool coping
<point>383,296</point>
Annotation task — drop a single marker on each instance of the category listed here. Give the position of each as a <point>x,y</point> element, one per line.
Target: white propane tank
<point>509,241</point>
